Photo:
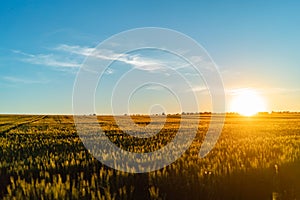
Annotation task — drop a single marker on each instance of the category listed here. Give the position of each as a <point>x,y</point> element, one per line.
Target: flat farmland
<point>42,157</point>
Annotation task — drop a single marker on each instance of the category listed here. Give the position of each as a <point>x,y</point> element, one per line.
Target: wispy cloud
<point>75,49</point>
<point>199,89</point>
<point>51,60</point>
<point>71,56</point>
<point>236,91</point>
<point>135,60</point>
<point>196,89</point>
<point>281,90</point>
<point>13,79</point>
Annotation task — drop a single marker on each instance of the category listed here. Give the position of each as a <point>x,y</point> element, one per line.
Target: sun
<point>247,102</point>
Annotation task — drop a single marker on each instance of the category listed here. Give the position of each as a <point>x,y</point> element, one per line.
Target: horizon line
<point>162,113</point>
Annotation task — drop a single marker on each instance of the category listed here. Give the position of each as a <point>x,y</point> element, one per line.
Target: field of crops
<point>42,157</point>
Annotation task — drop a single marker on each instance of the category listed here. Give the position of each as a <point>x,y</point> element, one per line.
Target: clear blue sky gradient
<point>256,44</point>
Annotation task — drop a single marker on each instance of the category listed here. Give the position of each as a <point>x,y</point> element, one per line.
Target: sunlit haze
<point>247,102</point>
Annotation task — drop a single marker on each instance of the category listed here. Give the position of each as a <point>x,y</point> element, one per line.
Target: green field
<point>42,157</point>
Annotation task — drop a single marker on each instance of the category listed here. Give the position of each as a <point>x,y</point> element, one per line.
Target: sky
<point>43,44</point>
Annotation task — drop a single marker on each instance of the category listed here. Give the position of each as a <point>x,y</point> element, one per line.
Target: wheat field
<point>42,157</point>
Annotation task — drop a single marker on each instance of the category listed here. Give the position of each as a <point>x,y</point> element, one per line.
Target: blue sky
<point>255,44</point>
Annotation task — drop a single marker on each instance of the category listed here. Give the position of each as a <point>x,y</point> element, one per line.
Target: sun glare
<point>247,102</point>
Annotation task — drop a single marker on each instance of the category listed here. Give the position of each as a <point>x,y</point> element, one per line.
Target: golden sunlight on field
<point>42,157</point>
<point>247,102</point>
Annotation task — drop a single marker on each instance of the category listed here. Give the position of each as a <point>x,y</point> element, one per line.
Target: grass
<point>257,157</point>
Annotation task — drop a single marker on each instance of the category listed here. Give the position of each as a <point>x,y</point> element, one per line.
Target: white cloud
<point>21,80</point>
<point>71,56</point>
<point>236,91</point>
<point>51,60</point>
<point>48,60</point>
<point>109,71</point>
<point>280,90</point>
<point>199,89</point>
<point>135,60</point>
<point>75,49</point>
<point>196,89</point>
